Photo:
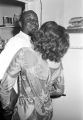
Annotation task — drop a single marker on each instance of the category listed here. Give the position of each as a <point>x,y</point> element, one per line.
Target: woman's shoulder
<point>42,69</point>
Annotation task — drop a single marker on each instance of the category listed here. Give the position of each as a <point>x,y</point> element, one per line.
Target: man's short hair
<point>28,16</point>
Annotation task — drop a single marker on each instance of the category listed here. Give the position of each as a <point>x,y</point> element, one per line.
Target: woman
<point>39,74</point>
<point>53,42</point>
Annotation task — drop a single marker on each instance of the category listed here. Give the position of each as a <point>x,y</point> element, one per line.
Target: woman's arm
<point>9,80</point>
<point>57,87</point>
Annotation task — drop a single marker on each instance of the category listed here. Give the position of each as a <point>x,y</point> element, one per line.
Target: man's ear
<point>20,24</point>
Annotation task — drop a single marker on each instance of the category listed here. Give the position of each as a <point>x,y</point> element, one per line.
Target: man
<point>28,23</point>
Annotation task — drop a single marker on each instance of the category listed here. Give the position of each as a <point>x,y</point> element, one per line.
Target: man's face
<point>32,24</point>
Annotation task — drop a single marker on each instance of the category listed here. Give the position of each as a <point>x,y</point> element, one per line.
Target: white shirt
<point>14,44</point>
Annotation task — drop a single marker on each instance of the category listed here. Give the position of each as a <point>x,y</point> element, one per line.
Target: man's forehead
<point>31,16</point>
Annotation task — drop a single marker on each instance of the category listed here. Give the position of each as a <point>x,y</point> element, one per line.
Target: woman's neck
<point>53,64</point>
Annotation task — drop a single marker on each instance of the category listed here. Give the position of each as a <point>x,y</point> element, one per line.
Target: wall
<point>53,10</point>
<point>72,8</point>
<point>61,10</point>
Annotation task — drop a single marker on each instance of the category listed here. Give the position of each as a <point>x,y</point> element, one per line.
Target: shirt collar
<point>25,35</point>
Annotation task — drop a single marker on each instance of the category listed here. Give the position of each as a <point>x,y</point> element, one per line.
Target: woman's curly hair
<point>52,41</point>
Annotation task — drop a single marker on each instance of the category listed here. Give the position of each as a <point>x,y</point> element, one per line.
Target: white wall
<point>61,10</point>
<point>72,8</point>
<point>53,10</point>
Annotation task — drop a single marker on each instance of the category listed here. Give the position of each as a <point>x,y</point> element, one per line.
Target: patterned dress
<point>27,86</point>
